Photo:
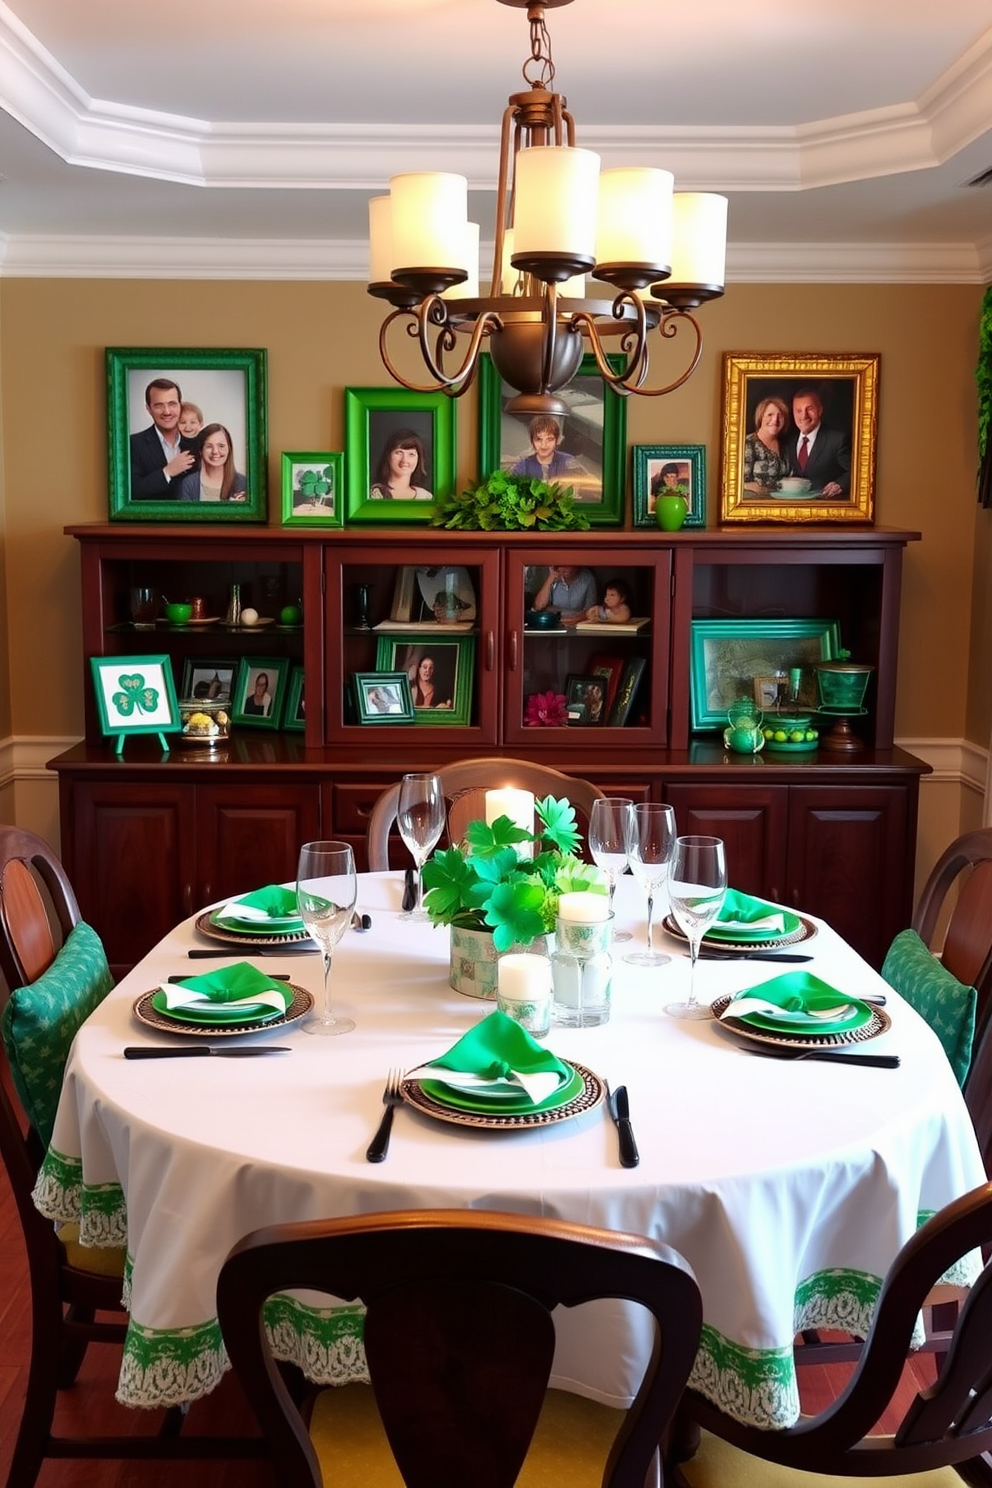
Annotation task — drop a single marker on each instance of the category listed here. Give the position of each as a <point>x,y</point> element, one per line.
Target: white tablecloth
<point>788,1186</point>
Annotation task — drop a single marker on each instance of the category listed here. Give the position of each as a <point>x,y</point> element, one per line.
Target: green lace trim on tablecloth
<point>61,1195</point>
<point>757,1386</point>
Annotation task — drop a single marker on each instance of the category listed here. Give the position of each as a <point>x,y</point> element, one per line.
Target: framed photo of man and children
<point>186,435</point>
<point>799,436</point>
<point>583,448</point>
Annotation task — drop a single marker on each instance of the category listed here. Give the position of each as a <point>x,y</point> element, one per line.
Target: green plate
<point>744,934</point>
<point>287,925</point>
<point>803,984</point>
<point>460,1100</point>
<point>497,1095</point>
<point>222,1013</point>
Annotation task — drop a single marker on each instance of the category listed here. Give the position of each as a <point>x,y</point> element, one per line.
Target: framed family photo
<point>312,494</point>
<point>401,453</point>
<point>383,697</point>
<point>135,695</point>
<point>211,680</point>
<point>439,672</point>
<point>186,435</point>
<point>727,656</point>
<point>669,469</point>
<point>259,691</point>
<point>584,449</point>
<point>799,436</point>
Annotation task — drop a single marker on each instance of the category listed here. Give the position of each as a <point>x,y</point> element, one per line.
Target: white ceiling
<point>245,136</point>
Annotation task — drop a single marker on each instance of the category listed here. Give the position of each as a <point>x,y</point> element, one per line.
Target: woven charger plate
<point>592,1093</point>
<point>206,927</point>
<point>144,1012</point>
<point>878,1023</point>
<point>806,931</point>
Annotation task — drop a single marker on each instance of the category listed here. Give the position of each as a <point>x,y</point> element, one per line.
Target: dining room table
<point>788,1184</point>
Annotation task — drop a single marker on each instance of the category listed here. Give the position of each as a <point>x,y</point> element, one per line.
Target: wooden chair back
<point>458,1333</point>
<point>464,785</point>
<point>947,1424</point>
<point>31,930</point>
<point>967,949</point>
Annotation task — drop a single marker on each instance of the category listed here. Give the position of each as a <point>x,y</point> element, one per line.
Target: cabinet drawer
<point>351,805</point>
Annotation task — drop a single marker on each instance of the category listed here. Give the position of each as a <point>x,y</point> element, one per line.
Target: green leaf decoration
<point>134,694</point>
<point>485,840</point>
<point>508,503</point>
<point>514,911</point>
<point>559,825</point>
<point>576,877</point>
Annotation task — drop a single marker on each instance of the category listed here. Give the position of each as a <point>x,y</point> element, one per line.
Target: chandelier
<point>558,219</point>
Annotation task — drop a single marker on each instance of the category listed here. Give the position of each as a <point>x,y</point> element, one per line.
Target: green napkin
<point>798,1002</point>
<point>497,1051</point>
<point>744,918</point>
<point>241,987</point>
<point>272,907</point>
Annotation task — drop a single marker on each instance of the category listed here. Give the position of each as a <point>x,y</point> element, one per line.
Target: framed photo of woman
<point>259,691</point>
<point>401,454</point>
<point>439,670</point>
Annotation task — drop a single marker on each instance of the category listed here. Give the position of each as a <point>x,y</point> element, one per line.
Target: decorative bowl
<point>789,725</point>
<point>205,722</point>
<point>542,620</point>
<point>178,614</point>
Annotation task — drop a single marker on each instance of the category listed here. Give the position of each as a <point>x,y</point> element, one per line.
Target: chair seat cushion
<point>946,1004</point>
<point>98,1260</point>
<point>570,1446</point>
<point>40,1022</point>
<point>719,1465</point>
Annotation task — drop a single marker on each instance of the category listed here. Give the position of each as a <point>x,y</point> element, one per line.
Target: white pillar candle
<point>524,977</point>
<point>518,805</point>
<point>584,909</point>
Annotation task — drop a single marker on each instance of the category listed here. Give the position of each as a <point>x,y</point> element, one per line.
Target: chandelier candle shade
<point>559,218</point>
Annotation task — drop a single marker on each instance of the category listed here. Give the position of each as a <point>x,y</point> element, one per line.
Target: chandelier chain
<point>540,55</point>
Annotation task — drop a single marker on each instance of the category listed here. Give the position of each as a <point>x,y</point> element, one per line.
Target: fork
<point>392,1097</point>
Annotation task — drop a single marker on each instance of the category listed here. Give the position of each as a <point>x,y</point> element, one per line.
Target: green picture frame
<point>249,697</point>
<point>727,655</point>
<point>596,442</point>
<point>375,418</point>
<point>454,664</point>
<point>135,695</point>
<point>313,489</point>
<point>648,469</point>
<point>294,715</point>
<point>225,387</point>
<point>383,697</point>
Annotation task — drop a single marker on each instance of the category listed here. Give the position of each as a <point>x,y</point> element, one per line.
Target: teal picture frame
<point>383,698</point>
<point>294,716</point>
<point>243,702</point>
<point>375,416</point>
<point>647,463</point>
<point>135,695</point>
<point>454,658</point>
<point>597,440</point>
<point>313,489</point>
<point>228,387</point>
<point>726,656</point>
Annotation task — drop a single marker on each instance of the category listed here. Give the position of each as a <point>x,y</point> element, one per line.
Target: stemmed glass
<point>650,839</point>
<point>420,819</point>
<point>326,890</point>
<point>608,843</point>
<point>696,886</point>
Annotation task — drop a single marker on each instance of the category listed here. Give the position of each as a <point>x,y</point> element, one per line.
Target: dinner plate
<point>216,1015</point>
<point>145,1012</point>
<point>806,931</point>
<point>854,1015</point>
<point>504,1105</point>
<point>246,925</point>
<point>204,923</point>
<point>877,1022</point>
<point>591,1092</point>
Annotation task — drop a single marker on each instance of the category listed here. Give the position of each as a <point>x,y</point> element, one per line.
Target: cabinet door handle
<point>188,898</point>
<point>514,647</point>
<point>774,895</point>
<point>490,650</point>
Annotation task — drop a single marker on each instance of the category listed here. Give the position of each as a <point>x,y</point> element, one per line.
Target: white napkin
<point>238,911</point>
<point>182,997</point>
<point>767,922</point>
<point>738,1007</point>
<point>537,1087</point>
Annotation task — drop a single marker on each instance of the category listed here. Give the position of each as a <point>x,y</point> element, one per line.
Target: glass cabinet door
<point>587,644</point>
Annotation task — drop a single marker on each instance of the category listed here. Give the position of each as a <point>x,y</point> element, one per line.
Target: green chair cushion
<point>40,1022</point>
<point>946,1004</point>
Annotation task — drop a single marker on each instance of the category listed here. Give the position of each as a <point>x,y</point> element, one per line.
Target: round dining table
<point>789,1185</point>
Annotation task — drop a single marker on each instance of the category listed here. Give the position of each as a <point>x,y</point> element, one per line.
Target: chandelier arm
<point>507,152</point>
<point>631,378</point>
<point>550,334</point>
<point>418,324</point>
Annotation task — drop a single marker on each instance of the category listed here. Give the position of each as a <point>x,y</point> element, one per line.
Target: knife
<point>361,921</point>
<point>834,1056</point>
<point>198,953</point>
<point>619,1105</point>
<point>192,1051</point>
<point>409,891</point>
<point>705,955</point>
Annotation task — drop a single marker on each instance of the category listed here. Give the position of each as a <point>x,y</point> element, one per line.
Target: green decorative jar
<point>670,512</point>
<point>842,685</point>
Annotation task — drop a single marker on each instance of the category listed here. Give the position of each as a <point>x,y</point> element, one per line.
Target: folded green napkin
<point>742,917</point>
<point>239,987</point>
<point>270,908</point>
<point>497,1051</point>
<point>799,1001</point>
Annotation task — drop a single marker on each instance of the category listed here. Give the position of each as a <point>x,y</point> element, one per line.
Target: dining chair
<point>459,1343</point>
<point>56,973</point>
<point>464,785</point>
<point>946,1425</point>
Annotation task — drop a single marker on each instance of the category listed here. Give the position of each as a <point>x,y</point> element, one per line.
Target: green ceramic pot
<point>671,512</point>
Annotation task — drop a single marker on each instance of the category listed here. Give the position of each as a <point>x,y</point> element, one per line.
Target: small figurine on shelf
<point>362,617</point>
<point>615,606</point>
<point>233,616</point>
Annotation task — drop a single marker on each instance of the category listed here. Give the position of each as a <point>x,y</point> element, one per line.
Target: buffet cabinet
<point>149,836</point>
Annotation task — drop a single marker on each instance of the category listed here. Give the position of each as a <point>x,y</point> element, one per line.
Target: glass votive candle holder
<point>523,990</point>
<point>582,972</point>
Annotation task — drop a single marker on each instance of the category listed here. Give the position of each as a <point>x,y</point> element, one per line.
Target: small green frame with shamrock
<point>312,490</point>
<point>135,695</point>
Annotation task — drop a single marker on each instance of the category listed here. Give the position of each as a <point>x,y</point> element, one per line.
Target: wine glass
<point>650,839</point>
<point>696,886</point>
<point>326,890</point>
<point>608,843</point>
<point>420,819</point>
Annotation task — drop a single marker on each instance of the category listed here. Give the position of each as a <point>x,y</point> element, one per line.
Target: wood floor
<point>91,1399</point>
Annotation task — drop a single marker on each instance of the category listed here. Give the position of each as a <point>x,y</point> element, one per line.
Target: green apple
<point>290,615</point>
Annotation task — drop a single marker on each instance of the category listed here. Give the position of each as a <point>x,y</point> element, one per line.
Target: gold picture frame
<point>751,474</point>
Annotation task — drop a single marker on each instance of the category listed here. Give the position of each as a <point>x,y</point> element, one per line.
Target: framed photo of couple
<point>799,435</point>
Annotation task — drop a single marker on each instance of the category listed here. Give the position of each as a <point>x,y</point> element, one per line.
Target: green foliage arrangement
<point>488,887</point>
<point>510,503</point>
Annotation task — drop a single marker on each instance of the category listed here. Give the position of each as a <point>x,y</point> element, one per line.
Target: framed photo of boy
<point>186,435</point>
<point>212,680</point>
<point>799,435</point>
<point>259,691</point>
<point>669,469</point>
<point>584,449</point>
<point>439,671</point>
<point>312,495</point>
<point>401,453</point>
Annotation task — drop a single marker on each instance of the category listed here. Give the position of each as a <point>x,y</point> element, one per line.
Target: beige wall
<point>322,337</point>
